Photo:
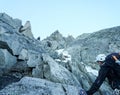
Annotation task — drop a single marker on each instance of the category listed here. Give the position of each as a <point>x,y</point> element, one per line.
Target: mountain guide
<point>110,69</point>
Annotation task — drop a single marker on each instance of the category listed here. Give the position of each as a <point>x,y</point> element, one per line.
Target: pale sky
<point>69,17</point>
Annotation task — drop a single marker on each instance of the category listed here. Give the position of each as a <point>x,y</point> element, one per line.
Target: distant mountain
<point>103,41</point>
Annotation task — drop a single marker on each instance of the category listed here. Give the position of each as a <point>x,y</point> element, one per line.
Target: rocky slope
<point>56,64</point>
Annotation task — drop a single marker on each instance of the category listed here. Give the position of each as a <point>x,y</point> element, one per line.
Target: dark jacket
<point>110,70</point>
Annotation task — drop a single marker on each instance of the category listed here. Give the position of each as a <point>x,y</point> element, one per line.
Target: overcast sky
<point>70,17</point>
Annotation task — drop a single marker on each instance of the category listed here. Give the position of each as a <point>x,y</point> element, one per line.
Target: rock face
<point>9,24</point>
<point>34,86</point>
<point>56,64</point>
<point>103,41</point>
<point>6,59</point>
<point>26,30</point>
<point>57,73</point>
<point>56,41</point>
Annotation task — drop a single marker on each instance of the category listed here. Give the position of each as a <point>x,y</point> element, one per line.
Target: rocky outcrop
<point>55,72</point>
<point>14,46</point>
<point>56,41</point>
<point>22,55</point>
<point>26,30</point>
<point>9,24</point>
<point>103,41</point>
<point>56,64</point>
<point>30,86</point>
<point>6,60</point>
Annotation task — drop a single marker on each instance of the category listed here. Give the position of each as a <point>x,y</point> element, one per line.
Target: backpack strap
<point>115,58</point>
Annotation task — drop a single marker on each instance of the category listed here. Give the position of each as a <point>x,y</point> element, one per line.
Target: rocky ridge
<point>56,64</point>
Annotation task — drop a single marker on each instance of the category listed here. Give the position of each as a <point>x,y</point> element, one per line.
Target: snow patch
<point>65,55</point>
<point>93,71</point>
<point>59,51</point>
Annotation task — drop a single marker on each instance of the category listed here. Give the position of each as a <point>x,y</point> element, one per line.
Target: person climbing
<point>110,69</point>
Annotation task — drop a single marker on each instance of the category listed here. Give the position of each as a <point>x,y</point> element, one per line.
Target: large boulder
<point>34,59</point>
<point>57,73</point>
<point>30,86</point>
<point>6,60</point>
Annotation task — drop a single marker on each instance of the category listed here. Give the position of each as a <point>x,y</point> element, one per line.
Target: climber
<point>110,69</point>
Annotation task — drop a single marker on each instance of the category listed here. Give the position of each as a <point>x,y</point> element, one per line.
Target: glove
<point>118,62</point>
<point>82,92</point>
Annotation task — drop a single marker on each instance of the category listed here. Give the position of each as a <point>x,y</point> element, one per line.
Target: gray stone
<point>38,71</point>
<point>9,23</point>
<point>34,59</point>
<point>26,30</point>
<point>57,73</point>
<point>6,60</point>
<point>30,86</point>
<point>23,55</point>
